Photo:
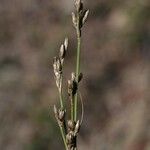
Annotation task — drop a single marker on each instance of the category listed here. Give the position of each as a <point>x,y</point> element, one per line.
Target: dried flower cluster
<point>80,16</point>
<point>70,127</point>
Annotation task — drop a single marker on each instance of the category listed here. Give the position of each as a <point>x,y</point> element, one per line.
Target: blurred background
<point>115,63</point>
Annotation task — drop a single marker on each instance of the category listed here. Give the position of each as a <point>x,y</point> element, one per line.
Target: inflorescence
<point>70,127</point>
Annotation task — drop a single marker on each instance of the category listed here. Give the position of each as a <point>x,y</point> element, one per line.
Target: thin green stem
<point>72,108</point>
<point>77,64</point>
<point>63,136</point>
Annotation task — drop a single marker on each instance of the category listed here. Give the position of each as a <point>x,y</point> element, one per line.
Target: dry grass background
<point>115,61</point>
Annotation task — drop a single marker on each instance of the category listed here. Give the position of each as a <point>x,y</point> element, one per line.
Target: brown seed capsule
<point>77,127</point>
<point>71,125</point>
<point>61,115</point>
<point>70,138</point>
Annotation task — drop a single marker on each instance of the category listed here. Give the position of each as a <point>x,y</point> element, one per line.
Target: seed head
<point>78,5</point>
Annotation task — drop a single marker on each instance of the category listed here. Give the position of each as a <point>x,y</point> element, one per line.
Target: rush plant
<point>70,124</point>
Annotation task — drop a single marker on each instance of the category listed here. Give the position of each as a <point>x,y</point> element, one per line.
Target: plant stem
<point>63,136</point>
<point>77,63</point>
<point>72,108</point>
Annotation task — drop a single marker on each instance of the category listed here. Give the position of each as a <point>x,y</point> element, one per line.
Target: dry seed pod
<point>61,115</point>
<point>84,19</point>
<point>70,138</point>
<point>71,125</point>
<point>77,127</point>
<point>62,52</point>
